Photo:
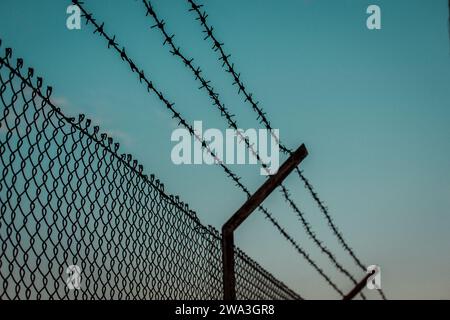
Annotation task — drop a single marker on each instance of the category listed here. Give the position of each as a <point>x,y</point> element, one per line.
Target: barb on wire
<point>99,28</point>
<point>176,51</point>
<point>229,67</point>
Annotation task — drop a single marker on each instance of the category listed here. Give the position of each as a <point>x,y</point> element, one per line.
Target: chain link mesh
<point>69,198</point>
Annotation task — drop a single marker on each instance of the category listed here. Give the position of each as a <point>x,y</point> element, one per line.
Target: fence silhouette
<point>207,85</point>
<point>69,198</point>
<point>145,80</point>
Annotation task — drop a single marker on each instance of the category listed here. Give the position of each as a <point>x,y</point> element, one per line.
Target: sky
<point>371,106</point>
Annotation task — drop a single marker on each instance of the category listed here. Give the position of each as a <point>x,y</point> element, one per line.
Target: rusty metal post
<point>229,280</point>
<point>358,287</point>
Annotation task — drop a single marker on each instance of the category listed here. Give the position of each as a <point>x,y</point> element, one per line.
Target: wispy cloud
<point>60,102</point>
<point>120,136</point>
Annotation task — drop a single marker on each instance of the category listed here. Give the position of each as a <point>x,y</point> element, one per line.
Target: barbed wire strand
<point>99,28</point>
<point>262,118</point>
<point>224,112</point>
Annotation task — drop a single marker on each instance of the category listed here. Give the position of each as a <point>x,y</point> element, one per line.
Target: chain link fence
<point>68,197</point>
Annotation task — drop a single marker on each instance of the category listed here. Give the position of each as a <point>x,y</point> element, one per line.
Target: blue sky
<point>372,108</point>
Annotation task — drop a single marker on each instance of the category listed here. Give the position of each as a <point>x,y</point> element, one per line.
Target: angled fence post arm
<point>358,287</point>
<point>229,280</point>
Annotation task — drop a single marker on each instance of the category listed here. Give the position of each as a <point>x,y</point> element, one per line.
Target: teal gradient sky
<point>372,107</point>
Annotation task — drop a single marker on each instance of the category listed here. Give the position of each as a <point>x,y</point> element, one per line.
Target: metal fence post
<point>358,287</point>
<point>229,280</point>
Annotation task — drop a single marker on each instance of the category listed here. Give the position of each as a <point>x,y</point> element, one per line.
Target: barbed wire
<point>99,28</point>
<point>262,117</point>
<point>176,51</point>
